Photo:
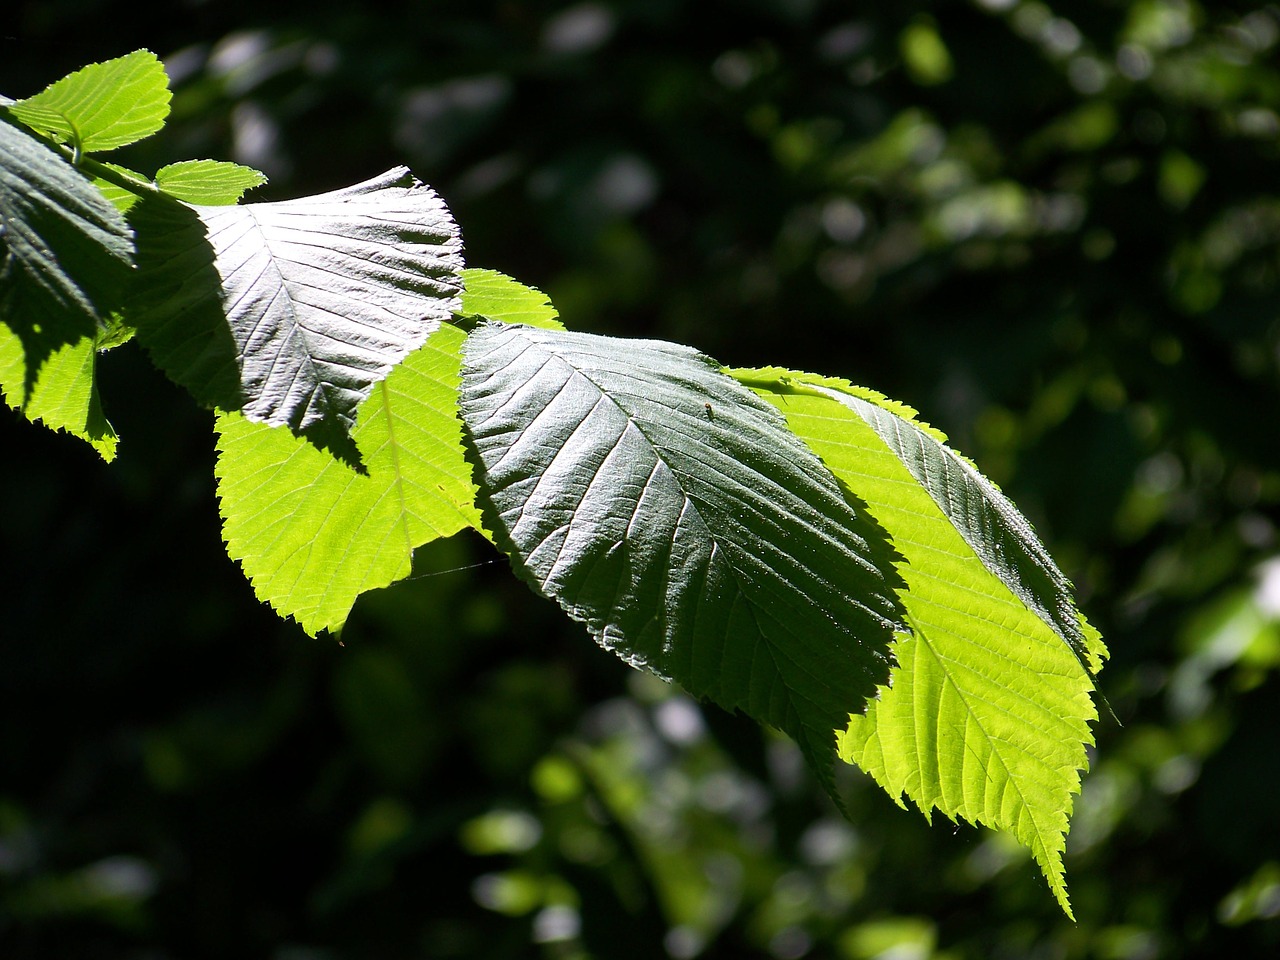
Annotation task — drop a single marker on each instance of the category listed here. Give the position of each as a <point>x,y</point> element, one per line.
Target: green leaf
<point>675,515</point>
<point>64,397</point>
<point>118,196</point>
<point>292,311</point>
<point>101,106</point>
<point>987,717</point>
<point>210,182</point>
<point>489,293</point>
<point>65,252</point>
<point>310,532</point>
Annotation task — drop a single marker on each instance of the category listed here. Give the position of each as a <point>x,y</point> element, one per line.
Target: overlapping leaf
<point>65,254</point>
<point>311,533</point>
<point>64,397</point>
<point>102,106</point>
<point>292,311</point>
<point>492,294</point>
<point>988,714</point>
<point>674,514</point>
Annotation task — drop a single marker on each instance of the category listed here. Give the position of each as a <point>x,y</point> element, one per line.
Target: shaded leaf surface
<point>64,397</point>
<point>292,311</point>
<point>65,252</point>
<point>988,714</point>
<point>674,514</point>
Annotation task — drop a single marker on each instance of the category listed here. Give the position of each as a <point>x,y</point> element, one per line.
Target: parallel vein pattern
<point>65,255</point>
<point>988,714</point>
<point>673,513</point>
<point>292,311</point>
<point>310,532</point>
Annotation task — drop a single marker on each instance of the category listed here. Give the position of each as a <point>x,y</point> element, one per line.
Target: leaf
<point>64,397</point>
<point>988,713</point>
<point>311,534</point>
<point>102,106</point>
<point>292,311</point>
<point>492,294</point>
<point>211,182</point>
<point>65,252</point>
<point>118,196</point>
<point>672,512</point>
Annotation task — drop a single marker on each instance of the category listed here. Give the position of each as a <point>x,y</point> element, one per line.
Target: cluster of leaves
<point>791,546</point>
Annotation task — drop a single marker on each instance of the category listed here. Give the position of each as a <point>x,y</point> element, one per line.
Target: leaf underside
<point>310,533</point>
<point>675,515</point>
<point>988,714</point>
<point>292,311</point>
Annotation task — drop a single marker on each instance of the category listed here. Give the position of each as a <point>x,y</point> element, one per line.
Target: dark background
<point>1054,229</point>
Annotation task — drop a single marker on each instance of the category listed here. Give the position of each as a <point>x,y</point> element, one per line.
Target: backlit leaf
<point>210,182</point>
<point>312,534</point>
<point>65,395</point>
<point>492,294</point>
<point>102,106</point>
<point>988,714</point>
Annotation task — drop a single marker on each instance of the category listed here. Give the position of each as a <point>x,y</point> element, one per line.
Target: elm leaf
<point>675,515</point>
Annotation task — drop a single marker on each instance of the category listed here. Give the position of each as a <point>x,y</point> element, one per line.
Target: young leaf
<point>65,252</point>
<point>292,311</point>
<point>101,106</point>
<point>65,395</point>
<point>311,534</point>
<point>988,714</point>
<point>489,293</point>
<point>673,513</point>
<point>210,182</point>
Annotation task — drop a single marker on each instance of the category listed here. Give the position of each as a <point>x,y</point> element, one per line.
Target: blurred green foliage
<point>1054,228</point>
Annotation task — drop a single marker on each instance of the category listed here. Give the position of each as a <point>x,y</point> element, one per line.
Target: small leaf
<point>675,515</point>
<point>988,713</point>
<point>102,106</point>
<point>65,252</point>
<point>210,182</point>
<point>294,310</point>
<point>489,293</point>
<point>65,395</point>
